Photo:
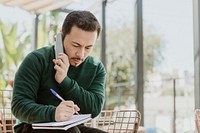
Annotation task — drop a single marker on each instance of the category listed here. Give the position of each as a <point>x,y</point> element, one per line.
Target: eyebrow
<point>80,44</point>
<point>76,43</point>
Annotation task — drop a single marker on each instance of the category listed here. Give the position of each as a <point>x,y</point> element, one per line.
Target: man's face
<point>78,45</point>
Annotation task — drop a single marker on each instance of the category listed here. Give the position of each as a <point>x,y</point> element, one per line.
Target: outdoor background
<point>168,55</point>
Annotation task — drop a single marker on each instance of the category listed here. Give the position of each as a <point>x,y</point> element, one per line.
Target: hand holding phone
<point>58,45</point>
<point>61,70</point>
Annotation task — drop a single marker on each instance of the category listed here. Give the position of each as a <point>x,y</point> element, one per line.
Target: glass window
<point>169,82</point>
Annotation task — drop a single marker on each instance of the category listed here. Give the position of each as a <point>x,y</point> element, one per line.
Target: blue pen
<point>58,96</point>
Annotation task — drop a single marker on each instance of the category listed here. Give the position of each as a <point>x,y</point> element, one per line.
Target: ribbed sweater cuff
<point>66,83</point>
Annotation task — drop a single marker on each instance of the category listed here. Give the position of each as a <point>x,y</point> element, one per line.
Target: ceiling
<point>37,6</point>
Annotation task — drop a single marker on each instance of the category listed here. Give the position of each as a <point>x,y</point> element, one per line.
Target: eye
<point>88,47</point>
<point>76,45</point>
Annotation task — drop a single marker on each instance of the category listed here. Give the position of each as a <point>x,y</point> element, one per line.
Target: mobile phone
<point>59,45</point>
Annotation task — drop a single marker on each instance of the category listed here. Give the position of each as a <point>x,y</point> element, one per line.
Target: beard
<point>76,61</point>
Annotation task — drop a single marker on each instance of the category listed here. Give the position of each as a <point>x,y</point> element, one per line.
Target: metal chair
<point>117,121</point>
<point>2,124</point>
<point>8,120</point>
<point>197,119</point>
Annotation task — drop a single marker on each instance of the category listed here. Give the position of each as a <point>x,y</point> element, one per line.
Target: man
<point>74,75</point>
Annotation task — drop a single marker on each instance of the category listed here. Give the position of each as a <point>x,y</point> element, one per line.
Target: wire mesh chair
<point>197,119</point>
<point>2,124</point>
<point>117,121</point>
<point>8,120</point>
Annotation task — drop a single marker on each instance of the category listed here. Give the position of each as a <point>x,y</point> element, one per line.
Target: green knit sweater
<point>32,99</point>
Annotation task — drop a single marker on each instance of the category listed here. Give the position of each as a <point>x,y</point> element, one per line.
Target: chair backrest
<point>117,121</point>
<point>197,119</point>
<point>5,108</point>
<point>2,124</point>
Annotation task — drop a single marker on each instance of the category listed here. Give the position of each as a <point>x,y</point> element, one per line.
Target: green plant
<point>13,51</point>
<point>120,60</point>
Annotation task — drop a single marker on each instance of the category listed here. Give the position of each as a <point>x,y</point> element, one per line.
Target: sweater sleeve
<point>26,86</point>
<point>89,100</point>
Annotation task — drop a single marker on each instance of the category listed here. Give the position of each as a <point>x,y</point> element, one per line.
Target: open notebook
<point>64,125</point>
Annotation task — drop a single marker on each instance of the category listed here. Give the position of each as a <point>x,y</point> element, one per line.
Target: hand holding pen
<point>65,109</point>
<point>58,96</point>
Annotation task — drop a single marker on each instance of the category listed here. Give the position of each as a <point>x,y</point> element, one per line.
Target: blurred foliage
<point>153,47</point>
<point>121,61</point>
<point>13,50</point>
<point>42,31</point>
<point>15,45</point>
<point>120,53</point>
<point>48,28</point>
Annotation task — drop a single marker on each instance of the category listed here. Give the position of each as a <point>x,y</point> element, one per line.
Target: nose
<point>80,53</point>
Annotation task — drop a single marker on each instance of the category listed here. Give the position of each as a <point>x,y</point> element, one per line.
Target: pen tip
<point>52,91</point>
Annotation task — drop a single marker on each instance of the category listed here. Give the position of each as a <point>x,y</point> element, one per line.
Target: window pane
<point>170,22</point>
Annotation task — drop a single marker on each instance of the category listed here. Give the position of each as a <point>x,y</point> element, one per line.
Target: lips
<point>77,61</point>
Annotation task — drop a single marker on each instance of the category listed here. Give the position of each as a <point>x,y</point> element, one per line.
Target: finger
<point>76,108</point>
<point>64,58</point>
<point>61,64</point>
<point>57,61</point>
<point>68,103</point>
<point>58,69</point>
<point>72,108</point>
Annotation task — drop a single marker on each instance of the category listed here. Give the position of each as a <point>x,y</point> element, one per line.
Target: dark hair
<point>84,20</point>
